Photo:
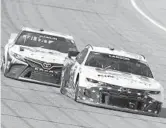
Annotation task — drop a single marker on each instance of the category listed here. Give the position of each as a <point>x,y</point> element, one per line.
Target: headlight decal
<point>100,83</point>
<point>154,92</point>
<point>92,80</point>
<point>17,56</point>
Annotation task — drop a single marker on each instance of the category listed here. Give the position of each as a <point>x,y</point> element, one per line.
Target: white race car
<point>112,78</point>
<point>36,55</point>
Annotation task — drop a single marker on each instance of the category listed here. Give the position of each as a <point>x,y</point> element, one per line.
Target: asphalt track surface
<point>98,22</point>
<point>154,9</point>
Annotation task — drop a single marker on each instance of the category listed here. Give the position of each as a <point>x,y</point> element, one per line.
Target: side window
<point>81,55</point>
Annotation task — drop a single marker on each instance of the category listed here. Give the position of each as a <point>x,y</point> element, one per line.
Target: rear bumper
<point>104,98</point>
<point>27,73</point>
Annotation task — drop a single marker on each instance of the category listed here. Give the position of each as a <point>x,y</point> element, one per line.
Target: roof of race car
<point>48,32</point>
<point>118,52</point>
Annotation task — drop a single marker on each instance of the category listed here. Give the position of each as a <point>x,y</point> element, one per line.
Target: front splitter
<point>39,82</point>
<point>87,102</point>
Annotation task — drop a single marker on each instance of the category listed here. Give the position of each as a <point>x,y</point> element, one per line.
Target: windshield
<point>119,63</point>
<point>32,39</point>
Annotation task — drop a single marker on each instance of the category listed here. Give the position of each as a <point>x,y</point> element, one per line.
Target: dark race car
<point>36,55</point>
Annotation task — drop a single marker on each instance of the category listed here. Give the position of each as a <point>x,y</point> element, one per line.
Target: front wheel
<point>2,63</point>
<point>76,90</point>
<point>62,87</point>
<point>4,68</point>
<point>1,66</point>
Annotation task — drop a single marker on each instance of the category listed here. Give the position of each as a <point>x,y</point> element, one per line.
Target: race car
<point>36,55</point>
<point>111,78</point>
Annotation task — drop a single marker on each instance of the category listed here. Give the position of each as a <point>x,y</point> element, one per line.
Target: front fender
<point>10,43</point>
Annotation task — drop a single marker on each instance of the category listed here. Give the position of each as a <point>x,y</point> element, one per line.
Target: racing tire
<point>63,82</point>
<point>5,70</point>
<point>1,66</point>
<point>76,90</point>
<point>62,87</point>
<point>2,63</point>
<point>159,110</point>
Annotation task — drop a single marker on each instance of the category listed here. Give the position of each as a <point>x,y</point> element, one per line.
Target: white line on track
<point>146,16</point>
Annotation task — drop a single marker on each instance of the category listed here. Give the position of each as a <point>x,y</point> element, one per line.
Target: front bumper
<point>108,98</point>
<point>36,75</point>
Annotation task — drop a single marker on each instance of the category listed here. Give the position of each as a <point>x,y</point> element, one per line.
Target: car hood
<point>121,79</point>
<point>41,54</point>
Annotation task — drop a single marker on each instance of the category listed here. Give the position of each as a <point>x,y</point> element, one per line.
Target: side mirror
<point>72,52</point>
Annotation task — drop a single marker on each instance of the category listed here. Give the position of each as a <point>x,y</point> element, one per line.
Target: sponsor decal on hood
<point>121,79</point>
<point>38,53</point>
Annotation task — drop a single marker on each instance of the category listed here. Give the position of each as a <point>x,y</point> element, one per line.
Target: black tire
<point>76,90</point>
<point>4,70</point>
<point>159,110</point>
<point>2,63</point>
<point>1,66</point>
<point>5,73</point>
<point>62,86</point>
